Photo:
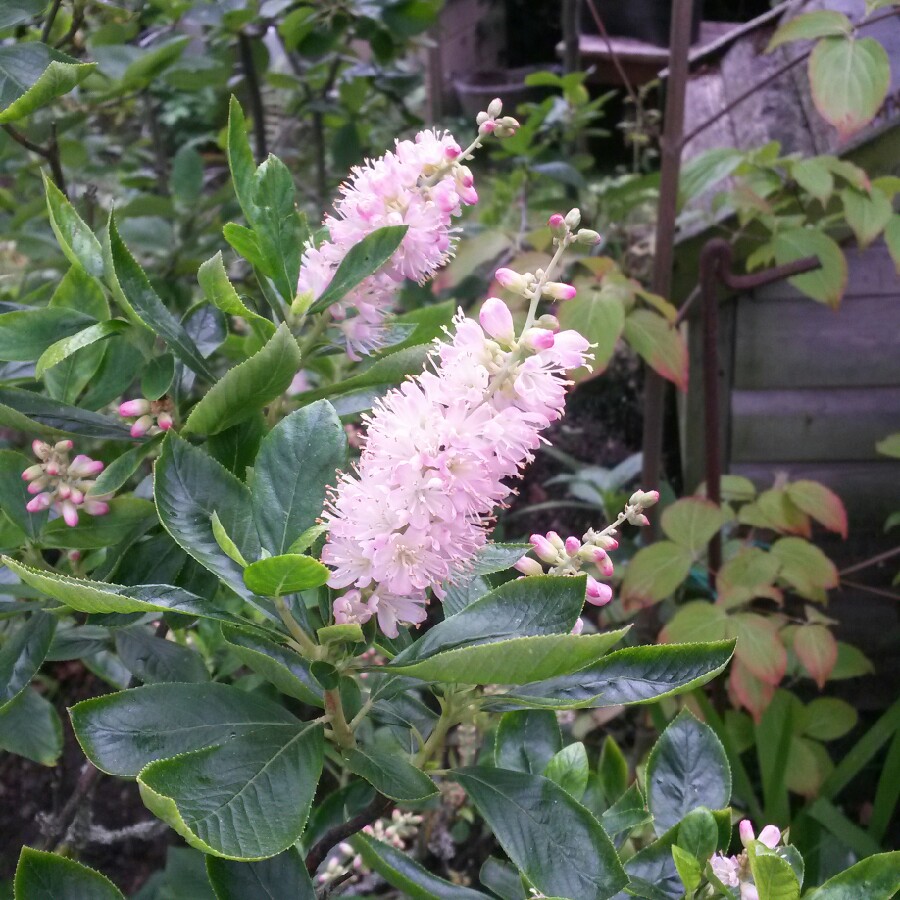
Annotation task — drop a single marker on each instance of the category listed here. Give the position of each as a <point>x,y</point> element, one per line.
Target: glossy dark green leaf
<point>33,413</point>
<point>774,878</point>
<point>502,878</point>
<point>687,768</point>
<point>875,878</point>
<point>26,334</point>
<point>463,592</point>
<point>285,668</point>
<point>247,798</point>
<point>569,768</point>
<point>14,494</point>
<point>219,291</point>
<point>390,774</point>
<point>30,726</point>
<point>240,158</point>
<point>297,461</point>
<point>361,261</point>
<point>152,659</point>
<point>63,349</point>
<point>626,813</point>
<point>248,387</point>
<point>189,487</point>
<point>278,877</point>
<point>94,532</point>
<point>549,836</point>
<point>137,297</point>
<point>114,476</point>
<point>22,654</point>
<point>156,379</point>
<point>405,874</point>
<point>15,11</point>
<point>48,876</point>
<point>527,740</point>
<point>121,733</point>
<point>612,769</point>
<point>77,241</point>
<point>632,675</point>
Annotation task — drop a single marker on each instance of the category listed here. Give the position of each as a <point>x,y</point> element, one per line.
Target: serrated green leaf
<point>75,238</point>
<point>276,576</point>
<point>226,544</point>
<point>114,476</point>
<point>64,348</point>
<point>527,740</point>
<point>157,377</point>
<point>809,26</point>
<point>240,158</point>
<point>814,177</point>
<point>14,494</point>
<point>691,522</point>
<point>219,291</point>
<point>126,515</point>
<point>22,654</point>
<point>569,768</point>
<point>26,334</point>
<point>33,413</point>
<point>30,727</point>
<point>825,284</point>
<point>48,875</point>
<point>153,660</point>
<point>390,774</point>
<point>875,878</point>
<point>283,875</point>
<point>774,878</point>
<point>655,572</point>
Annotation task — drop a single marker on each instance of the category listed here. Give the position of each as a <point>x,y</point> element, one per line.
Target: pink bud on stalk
<point>153,416</point>
<point>770,835</point>
<point>558,290</point>
<point>598,593</point>
<point>497,321</point>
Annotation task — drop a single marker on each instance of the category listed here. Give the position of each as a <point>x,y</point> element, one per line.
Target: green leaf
<point>280,876</point>
<point>14,494</point>
<point>240,158</point>
<point>875,878</point>
<point>868,213</point>
<point>655,572</point>
<point>33,75</point>
<point>707,169</point>
<point>361,261</point>
<point>287,670</point>
<point>114,476</point>
<point>15,11</point>
<point>33,413</point>
<point>64,348</point>
<point>186,179</point>
<point>632,675</point>
<point>687,768</point>
<point>548,835</point>
<point>133,290</point>
<point>405,874</point>
<point>244,241</point>
<point>660,345</point>
<point>22,654</point>
<point>47,876</point>
<point>698,833</point>
<point>277,225</point>
<point>817,650</point>
<point>526,741</point>
<point>126,515</point>
<point>121,733</point>
<point>219,291</point>
<point>612,770</point>
<point>145,68</point>
<point>296,463</point>
<point>696,621</point>
<point>189,487</point>
<point>30,727</point>
<point>103,597</point>
<point>849,78</point>
<point>569,768</point>
<point>75,238</point>
<point>390,774</point>
<point>809,26</point>
<point>774,878</point>
<point>628,812</point>
<point>691,523</point>
<point>153,660</point>
<point>814,177</point>
<point>749,574</point>
<point>828,718</point>
<point>248,387</point>
<point>600,317</point>
<point>157,377</point>
<point>502,878</point>
<point>804,566</point>
<point>892,239</point>
<point>287,574</point>
<point>26,334</point>
<point>688,868</point>
<point>825,284</point>
<point>351,633</point>
<point>217,798</point>
<point>226,544</point>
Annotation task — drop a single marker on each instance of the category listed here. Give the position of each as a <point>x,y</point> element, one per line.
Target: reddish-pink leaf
<point>817,650</point>
<point>659,344</point>
<point>746,690</point>
<point>759,648</point>
<point>821,503</point>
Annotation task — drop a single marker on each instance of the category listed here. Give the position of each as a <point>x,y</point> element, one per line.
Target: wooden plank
<point>870,490</point>
<point>802,344</point>
<point>811,425</point>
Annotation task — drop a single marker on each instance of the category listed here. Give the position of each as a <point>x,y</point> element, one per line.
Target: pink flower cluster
<point>438,455</point>
<point>58,482</point>
<point>734,871</point>
<point>153,416</point>
<point>421,185</point>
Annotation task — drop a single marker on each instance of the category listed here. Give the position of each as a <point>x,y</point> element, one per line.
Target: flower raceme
<point>422,184</point>
<point>153,416</point>
<point>438,454</point>
<point>734,871</point>
<point>62,484</point>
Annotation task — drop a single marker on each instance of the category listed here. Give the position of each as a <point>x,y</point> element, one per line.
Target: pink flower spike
<point>745,829</point>
<point>134,408</point>
<point>770,836</point>
<point>573,545</point>
<point>69,513</point>
<point>544,549</point>
<point>597,594</point>
<point>40,503</point>
<point>497,320</point>
<point>528,566</point>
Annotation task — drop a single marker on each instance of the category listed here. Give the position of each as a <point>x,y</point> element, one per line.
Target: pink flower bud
<point>538,339</point>
<point>544,549</point>
<point>134,408</point>
<point>528,566</point>
<point>598,593</point>
<point>69,513</point>
<point>41,450</point>
<point>83,466</point>
<point>559,290</point>
<point>603,563</point>
<point>96,507</point>
<point>556,221</point>
<point>487,127</point>
<point>63,446</point>
<point>452,153</point>
<point>41,502</point>
<point>745,829</point>
<point>495,107</point>
<point>52,468</point>
<point>497,320</point>
<point>606,542</point>
<point>74,556</point>
<point>578,627</point>
<point>164,421</point>
<point>76,496</point>
<point>32,472</point>
<point>511,280</point>
<point>64,491</point>
<point>770,836</point>
<point>556,540</point>
<point>573,545</point>
<point>141,426</point>
<point>38,485</point>
<point>548,322</point>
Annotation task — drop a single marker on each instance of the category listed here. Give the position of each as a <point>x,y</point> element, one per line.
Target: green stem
<point>335,709</point>
<point>449,718</point>
<point>309,649</point>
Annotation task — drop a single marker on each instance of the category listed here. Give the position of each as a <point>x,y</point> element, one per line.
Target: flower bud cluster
<point>61,483</point>
<point>153,416</point>
<point>566,229</point>
<point>493,122</point>
<point>734,871</point>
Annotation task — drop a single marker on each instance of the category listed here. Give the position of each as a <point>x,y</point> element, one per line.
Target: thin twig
<point>890,595</point>
<point>50,153</point>
<point>617,63</point>
<point>51,18</point>
<point>77,20</point>
<point>871,561</point>
<point>257,108</point>
<point>377,808</point>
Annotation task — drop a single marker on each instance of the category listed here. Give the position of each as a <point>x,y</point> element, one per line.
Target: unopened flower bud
<point>487,127</point>
<point>598,593</point>
<point>745,829</point>
<point>41,502</point>
<point>638,519</point>
<point>573,545</point>
<point>770,836</point>
<point>74,556</point>
<point>69,513</point>
<point>164,421</point>
<point>512,281</point>
<point>528,566</point>
<point>573,219</point>
<point>130,408</point>
<point>548,322</point>
<point>497,320</point>
<point>537,339</point>
<point>495,107</point>
<point>506,126</point>
<point>556,540</point>
<point>556,221</point>
<point>589,237</point>
<point>544,549</point>
<point>32,472</point>
<point>643,499</point>
<point>40,449</point>
<point>141,426</point>
<point>63,446</point>
<point>559,290</point>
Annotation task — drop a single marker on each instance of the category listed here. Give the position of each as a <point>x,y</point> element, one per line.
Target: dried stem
<point>377,808</point>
